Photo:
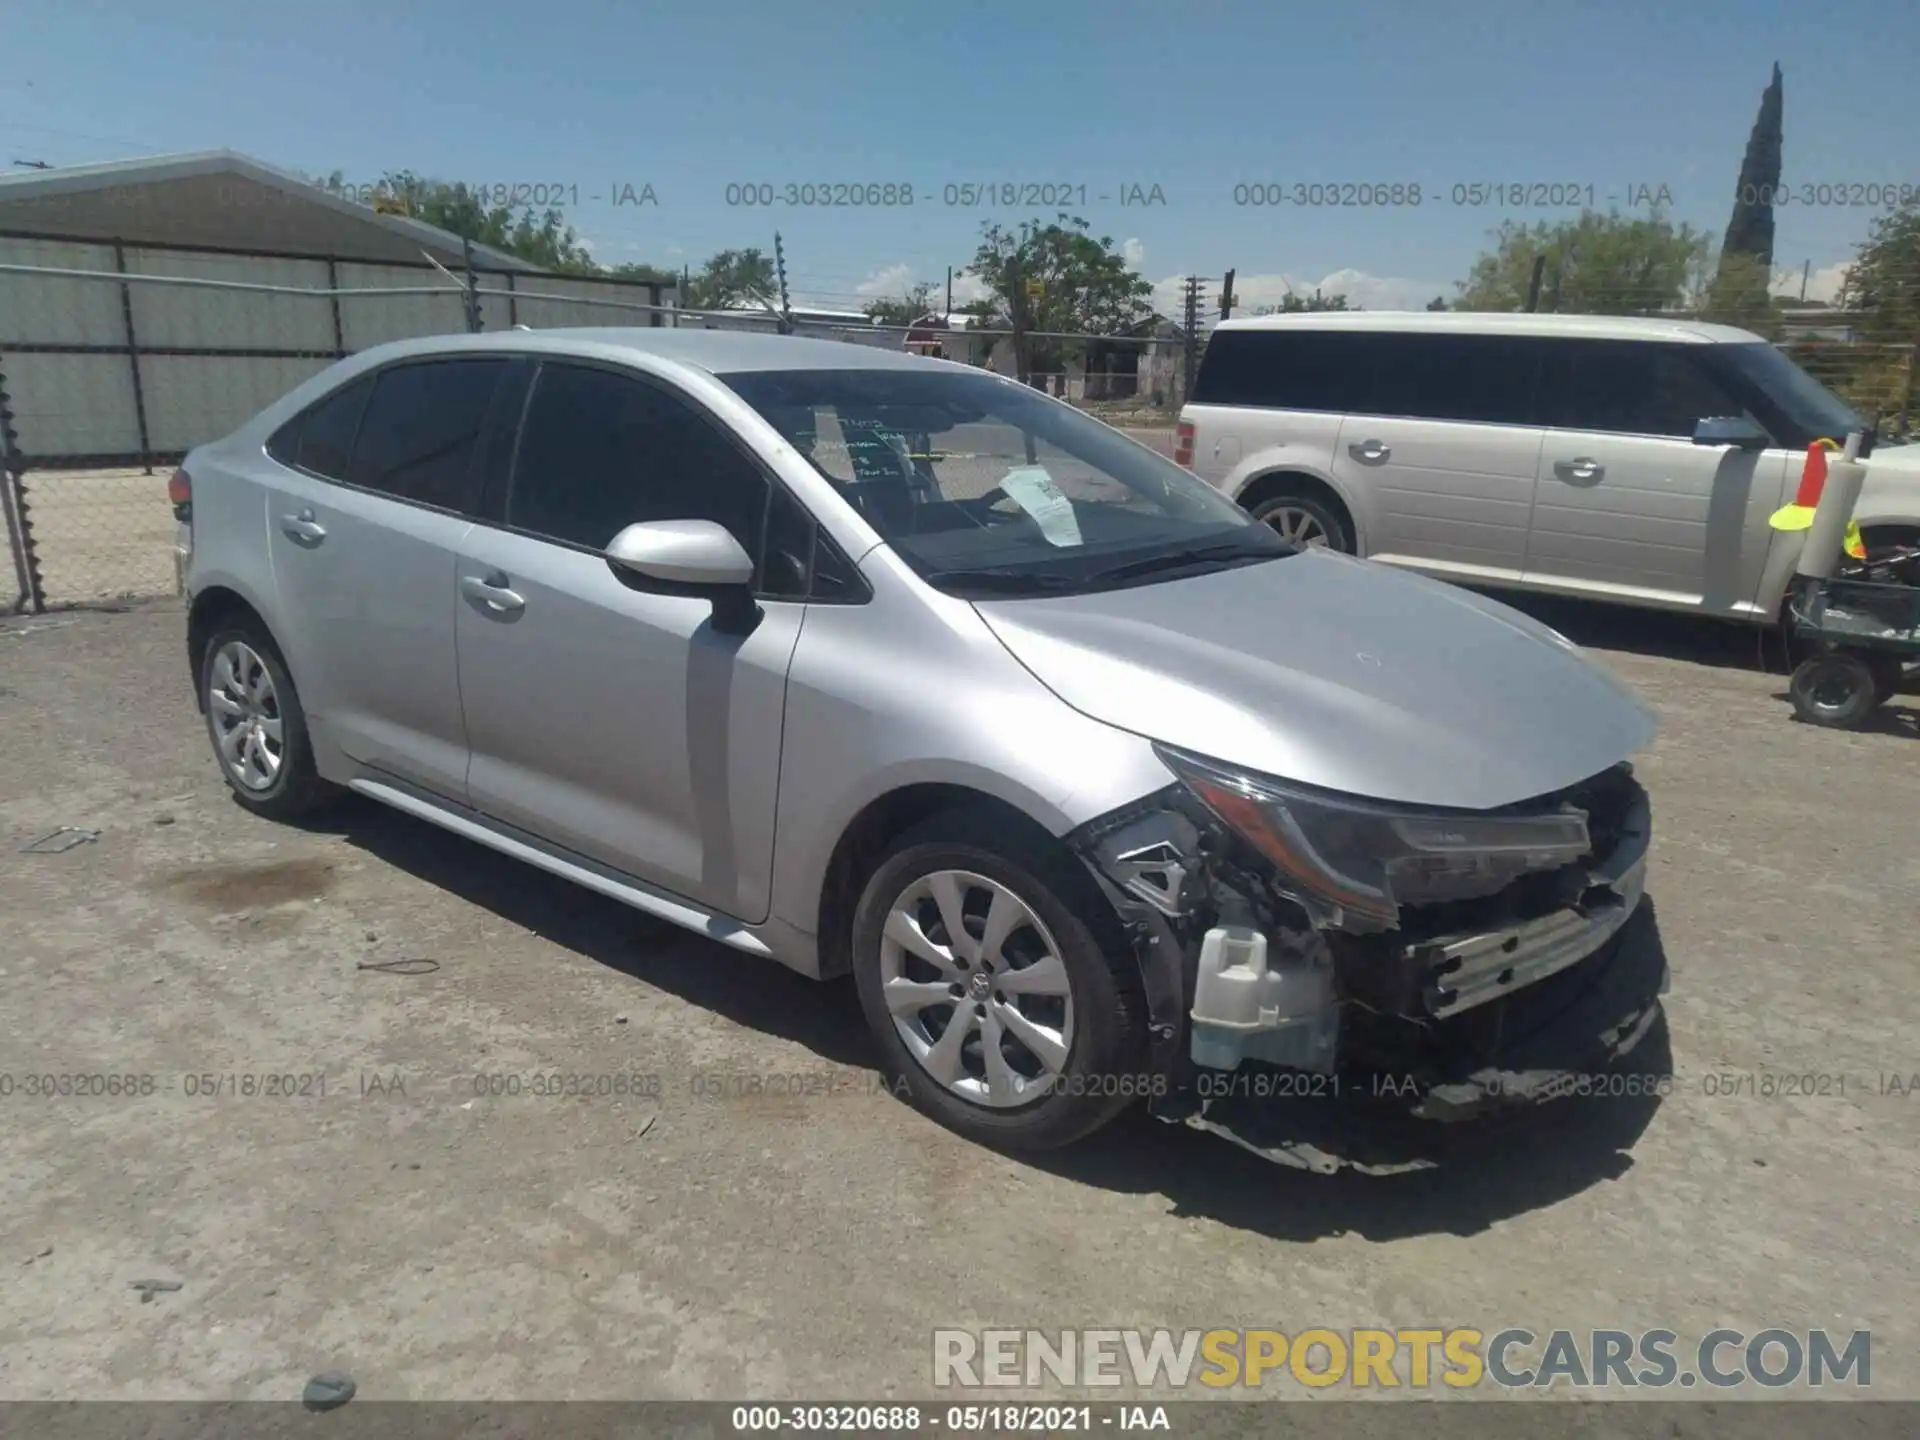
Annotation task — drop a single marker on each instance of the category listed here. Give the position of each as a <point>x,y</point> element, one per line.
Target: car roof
<point>719,352</point>
<point>1458,322</point>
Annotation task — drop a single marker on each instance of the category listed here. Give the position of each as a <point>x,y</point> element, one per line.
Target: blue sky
<point>1115,97</point>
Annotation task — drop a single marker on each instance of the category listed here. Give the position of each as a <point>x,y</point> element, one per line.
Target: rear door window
<point>1482,379</point>
<point>320,438</point>
<point>1623,387</point>
<point>421,430</point>
<point>1321,370</point>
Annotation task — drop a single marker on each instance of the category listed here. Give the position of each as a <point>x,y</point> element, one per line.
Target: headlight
<point>1356,862</point>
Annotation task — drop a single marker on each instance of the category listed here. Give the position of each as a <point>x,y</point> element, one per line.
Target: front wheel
<point>980,956</point>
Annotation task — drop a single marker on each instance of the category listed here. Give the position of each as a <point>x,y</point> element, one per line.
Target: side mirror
<point>696,558</point>
<point>1734,430</point>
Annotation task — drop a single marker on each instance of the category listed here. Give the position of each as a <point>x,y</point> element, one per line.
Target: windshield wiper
<point>1181,559</point>
<point>1012,582</point>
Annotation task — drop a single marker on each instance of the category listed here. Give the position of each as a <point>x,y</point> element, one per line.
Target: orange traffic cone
<point>1813,480</point>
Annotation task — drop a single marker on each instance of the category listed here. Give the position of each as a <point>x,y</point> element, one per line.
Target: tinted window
<point>422,425</point>
<point>1627,388</point>
<point>1796,408</point>
<point>786,570</point>
<point>326,430</point>
<point>1484,378</point>
<point>1282,369</point>
<point>599,452</point>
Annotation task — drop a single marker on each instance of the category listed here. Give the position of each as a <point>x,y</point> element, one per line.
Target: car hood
<point>1335,672</point>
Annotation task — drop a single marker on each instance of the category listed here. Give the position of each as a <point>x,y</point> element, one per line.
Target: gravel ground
<point>436,1242</point>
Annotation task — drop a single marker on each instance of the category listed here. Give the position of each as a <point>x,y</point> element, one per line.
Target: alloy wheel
<point>977,989</point>
<point>244,707</point>
<point>1297,526</point>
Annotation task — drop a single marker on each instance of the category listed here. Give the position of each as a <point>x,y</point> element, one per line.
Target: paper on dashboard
<point>1045,503</point>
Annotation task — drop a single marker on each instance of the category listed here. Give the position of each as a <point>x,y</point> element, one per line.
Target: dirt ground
<point>100,533</point>
<point>434,1236</point>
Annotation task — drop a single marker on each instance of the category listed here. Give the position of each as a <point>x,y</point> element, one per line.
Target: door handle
<point>492,592</point>
<point>1580,468</point>
<point>303,527</point>
<point>1369,452</point>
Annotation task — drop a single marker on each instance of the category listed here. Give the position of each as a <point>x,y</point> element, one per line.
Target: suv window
<point>1626,387</point>
<point>1487,379</point>
<point>1282,369</point>
<point>421,428</point>
<point>600,451</point>
<point>320,438</point>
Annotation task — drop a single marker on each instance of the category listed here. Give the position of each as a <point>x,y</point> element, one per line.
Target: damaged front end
<point>1298,943</point>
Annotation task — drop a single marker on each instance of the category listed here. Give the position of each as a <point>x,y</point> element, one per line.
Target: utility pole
<point>472,287</point>
<point>1533,285</point>
<point>1192,324</point>
<point>780,270</point>
<point>1226,297</point>
<point>948,312</point>
<point>1806,271</point>
<point>1017,308</point>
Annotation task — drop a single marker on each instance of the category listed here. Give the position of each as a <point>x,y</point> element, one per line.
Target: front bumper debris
<point>1466,1007</point>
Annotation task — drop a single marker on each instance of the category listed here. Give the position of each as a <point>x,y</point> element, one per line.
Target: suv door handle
<point>492,593</point>
<point>303,527</point>
<point>1369,452</point>
<point>1581,468</point>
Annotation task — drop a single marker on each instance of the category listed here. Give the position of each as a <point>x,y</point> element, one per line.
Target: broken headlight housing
<point>1352,863</point>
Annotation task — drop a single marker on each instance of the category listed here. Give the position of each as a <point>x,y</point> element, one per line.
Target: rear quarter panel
<point>1235,446</point>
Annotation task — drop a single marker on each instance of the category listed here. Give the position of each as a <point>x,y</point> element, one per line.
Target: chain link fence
<point>116,360</point>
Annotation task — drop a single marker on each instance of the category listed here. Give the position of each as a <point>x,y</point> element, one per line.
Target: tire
<point>1836,690</point>
<point>1300,517</point>
<point>1888,674</point>
<point>232,666</point>
<point>1091,1002</point>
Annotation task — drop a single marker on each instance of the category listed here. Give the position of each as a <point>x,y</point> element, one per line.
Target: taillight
<point>180,492</point>
<point>1183,443</point>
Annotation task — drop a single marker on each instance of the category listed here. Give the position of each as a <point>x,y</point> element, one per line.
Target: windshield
<point>983,485</point>
<point>1804,408</point>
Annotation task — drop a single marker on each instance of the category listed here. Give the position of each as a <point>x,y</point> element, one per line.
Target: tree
<point>542,238</point>
<point>1883,282</point>
<point>1741,292</point>
<point>1597,265</point>
<point>905,309</point>
<point>1057,278</point>
<point>1883,286</point>
<point>732,276</point>
<point>1438,302</point>
<point>1292,304</point>
<point>650,274</point>
<point>1750,231</point>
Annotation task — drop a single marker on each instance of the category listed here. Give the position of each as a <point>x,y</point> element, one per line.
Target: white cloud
<point>1822,284</point>
<point>1252,292</point>
<point>1134,253</point>
<point>892,281</point>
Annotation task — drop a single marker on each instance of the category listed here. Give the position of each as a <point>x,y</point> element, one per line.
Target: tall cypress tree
<point>1750,231</point>
<point>1740,293</point>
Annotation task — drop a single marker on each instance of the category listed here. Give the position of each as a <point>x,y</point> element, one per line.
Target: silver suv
<point>859,661</point>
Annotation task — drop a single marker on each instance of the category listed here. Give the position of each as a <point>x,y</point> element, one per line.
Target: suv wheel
<point>258,729</point>
<point>1304,520</point>
<point>988,989</point>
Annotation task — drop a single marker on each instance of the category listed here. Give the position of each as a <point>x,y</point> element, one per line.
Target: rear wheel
<point>1305,519</point>
<point>980,956</point>
<point>258,729</point>
<point>1836,690</point>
